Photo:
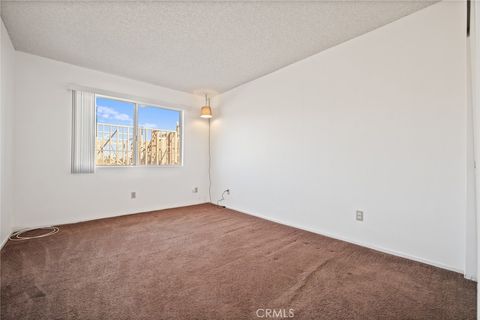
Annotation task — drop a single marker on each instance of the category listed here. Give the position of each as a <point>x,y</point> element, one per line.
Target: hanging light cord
<point>209,165</point>
<point>207,103</point>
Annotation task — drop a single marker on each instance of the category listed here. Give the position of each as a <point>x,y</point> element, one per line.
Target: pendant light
<point>206,111</point>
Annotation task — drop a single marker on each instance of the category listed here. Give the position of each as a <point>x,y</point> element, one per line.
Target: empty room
<point>239,159</point>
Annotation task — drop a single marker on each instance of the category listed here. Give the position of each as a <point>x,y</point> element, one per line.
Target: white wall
<point>7,57</point>
<point>45,190</point>
<point>377,123</point>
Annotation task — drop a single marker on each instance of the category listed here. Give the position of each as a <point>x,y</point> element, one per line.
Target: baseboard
<point>470,277</point>
<point>359,243</point>
<point>99,217</point>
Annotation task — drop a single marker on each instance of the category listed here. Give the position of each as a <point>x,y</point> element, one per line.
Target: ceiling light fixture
<point>206,111</point>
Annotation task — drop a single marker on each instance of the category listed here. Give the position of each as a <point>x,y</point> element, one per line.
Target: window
<point>130,133</point>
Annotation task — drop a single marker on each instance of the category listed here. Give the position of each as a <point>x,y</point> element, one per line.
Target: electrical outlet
<point>195,190</point>
<point>133,195</point>
<point>359,215</point>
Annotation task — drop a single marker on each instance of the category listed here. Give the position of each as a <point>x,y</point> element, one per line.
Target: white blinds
<point>83,132</point>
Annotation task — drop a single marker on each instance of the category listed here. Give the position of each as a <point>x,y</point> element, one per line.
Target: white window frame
<point>135,128</point>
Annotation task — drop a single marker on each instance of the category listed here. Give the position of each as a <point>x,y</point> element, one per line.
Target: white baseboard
<point>363,244</point>
<point>470,277</point>
<point>104,216</point>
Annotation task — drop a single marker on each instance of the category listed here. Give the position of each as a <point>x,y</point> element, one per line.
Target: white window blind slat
<point>83,132</point>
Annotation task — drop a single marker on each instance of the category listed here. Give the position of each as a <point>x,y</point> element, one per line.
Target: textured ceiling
<point>191,45</point>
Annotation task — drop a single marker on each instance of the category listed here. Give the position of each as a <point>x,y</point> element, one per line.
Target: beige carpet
<point>204,262</point>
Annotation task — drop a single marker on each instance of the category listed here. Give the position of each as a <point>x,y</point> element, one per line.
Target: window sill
<point>151,166</point>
